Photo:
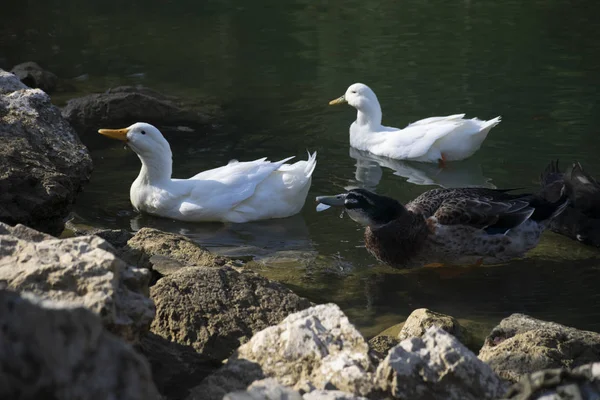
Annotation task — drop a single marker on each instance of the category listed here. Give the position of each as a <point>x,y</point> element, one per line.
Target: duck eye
<point>354,91</point>
<point>143,132</point>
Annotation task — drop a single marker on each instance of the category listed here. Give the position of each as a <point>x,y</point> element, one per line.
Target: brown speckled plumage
<point>451,226</point>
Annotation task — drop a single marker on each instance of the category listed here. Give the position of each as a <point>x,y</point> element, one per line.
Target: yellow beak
<point>339,100</point>
<point>119,134</point>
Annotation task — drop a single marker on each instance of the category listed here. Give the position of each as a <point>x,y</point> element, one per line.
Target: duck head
<point>150,146</point>
<point>361,97</point>
<point>365,207</point>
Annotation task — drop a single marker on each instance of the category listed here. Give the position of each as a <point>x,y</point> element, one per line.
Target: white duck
<point>435,139</point>
<point>236,192</point>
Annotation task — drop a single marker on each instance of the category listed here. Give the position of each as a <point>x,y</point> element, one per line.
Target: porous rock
<point>314,349</point>
<point>215,310</point>
<point>55,350</point>
<point>43,165</point>
<point>80,271</point>
<point>520,345</point>
<point>581,383</point>
<point>436,366</point>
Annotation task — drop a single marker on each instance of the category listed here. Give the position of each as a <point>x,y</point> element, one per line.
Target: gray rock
<point>270,389</point>
<point>316,348</point>
<point>437,366</point>
<point>330,395</point>
<point>266,389</point>
<point>382,344</point>
<point>122,106</point>
<point>79,271</point>
<point>34,76</point>
<point>175,368</point>
<point>215,310</point>
<point>42,162</point>
<point>582,383</point>
<point>231,378</point>
<point>520,345</point>
<point>422,319</point>
<point>53,352</point>
<point>151,246</point>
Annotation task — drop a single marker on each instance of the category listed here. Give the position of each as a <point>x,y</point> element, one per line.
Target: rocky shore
<point>110,314</point>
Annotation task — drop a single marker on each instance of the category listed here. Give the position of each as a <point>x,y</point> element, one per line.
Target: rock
<point>266,389</point>
<point>436,366</point>
<point>422,319</point>
<point>331,395</point>
<point>520,345</point>
<point>382,344</point>
<point>79,271</point>
<point>215,310</point>
<point>582,383</point>
<point>270,389</point>
<point>42,162</point>
<point>50,351</point>
<point>122,106</point>
<point>34,76</point>
<point>313,349</point>
<point>148,242</point>
<point>233,377</point>
<point>175,368</point>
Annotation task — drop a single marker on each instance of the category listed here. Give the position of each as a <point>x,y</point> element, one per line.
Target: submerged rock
<point>56,351</point>
<point>215,310</point>
<point>581,383</point>
<point>42,162</point>
<point>34,76</point>
<point>437,366</point>
<point>122,106</point>
<point>313,349</point>
<point>79,271</point>
<point>382,344</point>
<point>520,345</point>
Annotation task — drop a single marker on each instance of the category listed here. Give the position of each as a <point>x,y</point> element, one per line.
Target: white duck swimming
<point>236,192</point>
<point>435,139</point>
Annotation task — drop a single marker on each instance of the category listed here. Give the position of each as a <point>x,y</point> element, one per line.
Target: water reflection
<point>273,240</point>
<point>467,173</point>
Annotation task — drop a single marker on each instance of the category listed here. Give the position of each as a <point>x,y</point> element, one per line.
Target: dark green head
<point>365,207</point>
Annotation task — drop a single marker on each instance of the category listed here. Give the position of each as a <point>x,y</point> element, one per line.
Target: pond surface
<point>274,65</point>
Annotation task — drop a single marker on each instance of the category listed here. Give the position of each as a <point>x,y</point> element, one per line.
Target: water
<point>274,65</point>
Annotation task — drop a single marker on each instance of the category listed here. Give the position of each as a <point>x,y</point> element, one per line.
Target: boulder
<point>175,368</point>
<point>79,271</point>
<point>436,366</point>
<point>381,345</point>
<point>422,319</point>
<point>266,389</point>
<point>122,106</point>
<point>34,76</point>
<point>43,165</point>
<point>56,350</point>
<point>270,389</point>
<point>150,246</point>
<point>581,383</point>
<point>314,349</point>
<point>520,345</point>
<point>215,310</point>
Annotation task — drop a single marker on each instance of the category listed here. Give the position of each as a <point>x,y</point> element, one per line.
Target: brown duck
<point>449,226</point>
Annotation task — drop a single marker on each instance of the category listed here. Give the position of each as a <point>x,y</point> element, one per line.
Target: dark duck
<point>464,226</point>
<point>581,219</point>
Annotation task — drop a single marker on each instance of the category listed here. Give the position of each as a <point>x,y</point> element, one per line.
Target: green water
<point>273,65</point>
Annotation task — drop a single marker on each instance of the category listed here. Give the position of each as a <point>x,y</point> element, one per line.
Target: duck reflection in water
<point>466,173</point>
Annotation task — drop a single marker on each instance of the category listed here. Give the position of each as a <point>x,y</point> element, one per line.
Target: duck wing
<point>494,210</point>
<point>218,190</point>
<point>583,190</point>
